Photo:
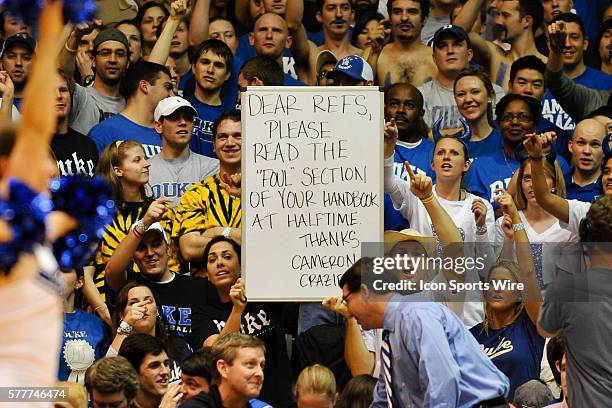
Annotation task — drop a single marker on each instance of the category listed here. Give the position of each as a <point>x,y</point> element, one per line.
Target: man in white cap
<point>176,167</point>
<point>352,71</point>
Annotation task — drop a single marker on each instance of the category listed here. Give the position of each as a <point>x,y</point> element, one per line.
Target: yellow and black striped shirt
<point>206,205</point>
<point>126,215</point>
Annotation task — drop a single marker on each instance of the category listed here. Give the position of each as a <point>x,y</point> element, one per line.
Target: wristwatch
<point>124,328</point>
<point>140,227</point>
<point>88,80</point>
<point>481,229</point>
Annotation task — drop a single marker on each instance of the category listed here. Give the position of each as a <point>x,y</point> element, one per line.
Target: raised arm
<point>300,46</point>
<point>67,55</point>
<point>193,243</point>
<point>7,89</point>
<point>161,49</point>
<point>239,303</point>
<point>200,19</point>
<point>466,18</point>
<point>524,255</point>
<point>38,119</point>
<point>552,203</point>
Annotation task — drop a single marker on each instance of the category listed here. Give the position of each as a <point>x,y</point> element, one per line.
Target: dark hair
<point>234,115</point>
<point>363,21</point>
<point>121,301</point>
<point>199,364</point>
<point>319,5</point>
<point>534,9</point>
<point>219,48</point>
<point>484,78</point>
<point>358,392</point>
<point>139,71</point>
<point>534,106</point>
<point>526,62</point>
<point>353,277</point>
<point>221,238</point>
<point>129,21</point>
<point>571,18</point>
<point>554,352</point>
<point>265,69</point>
<point>142,10</point>
<point>597,225</point>
<point>424,8</point>
<point>605,110</point>
<point>136,347</point>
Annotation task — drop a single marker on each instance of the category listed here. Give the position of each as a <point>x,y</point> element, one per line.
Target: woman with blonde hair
<point>508,334</point>
<point>316,387</point>
<point>124,165</point>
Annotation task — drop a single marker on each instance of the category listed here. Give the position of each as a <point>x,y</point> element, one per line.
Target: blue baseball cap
<point>353,66</point>
<point>456,31</point>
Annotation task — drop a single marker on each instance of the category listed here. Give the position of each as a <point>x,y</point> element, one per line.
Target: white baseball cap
<point>157,227</point>
<point>169,105</point>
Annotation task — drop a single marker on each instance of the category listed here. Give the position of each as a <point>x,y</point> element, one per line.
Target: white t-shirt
<point>577,211</point>
<point>550,249</point>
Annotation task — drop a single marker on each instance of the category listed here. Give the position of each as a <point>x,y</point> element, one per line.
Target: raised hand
<point>84,63</point>
<point>136,312</point>
<point>238,294</point>
<point>179,9</point>
<point>156,211</point>
<point>7,88</point>
<point>534,144</point>
<point>391,134</point>
<point>380,35</point>
<point>172,396</point>
<point>231,183</point>
<point>507,228</point>
<point>557,34</point>
<point>336,304</point>
<point>480,212</point>
<point>505,201</point>
<point>420,184</point>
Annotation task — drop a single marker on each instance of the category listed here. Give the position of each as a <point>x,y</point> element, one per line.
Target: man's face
<point>192,385</point>
<point>336,16</point>
<point>16,61</point>
<point>586,146</point>
<point>210,71</point>
<point>176,128</point>
<point>87,42</point>
<point>154,374</point>
<point>275,6</point>
<point>508,20</point>
<point>575,45</point>
<point>605,47</point>
<point>270,36</point>
<point>516,122</point>
<point>528,82</point>
<point>224,30</point>
<point>245,375</point>
<point>606,178</point>
<point>14,25</point>
<point>151,255</point>
<point>451,55</point>
<point>228,142</point>
<point>134,40</point>
<point>109,400</point>
<point>111,61</point>
<point>406,21</point>
<point>161,89</point>
<point>358,307</point>
<point>180,41</point>
<point>322,79</point>
<point>402,105</point>
<point>553,8</point>
<point>563,374</point>
<point>63,102</point>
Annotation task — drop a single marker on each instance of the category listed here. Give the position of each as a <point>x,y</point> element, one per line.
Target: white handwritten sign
<point>312,187</point>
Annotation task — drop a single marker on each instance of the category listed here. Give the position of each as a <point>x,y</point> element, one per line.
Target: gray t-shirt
<point>581,306</point>
<point>432,25</point>
<point>171,177</point>
<point>89,107</point>
<point>439,101</point>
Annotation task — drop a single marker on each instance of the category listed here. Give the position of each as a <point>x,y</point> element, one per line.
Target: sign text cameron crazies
<point>311,186</point>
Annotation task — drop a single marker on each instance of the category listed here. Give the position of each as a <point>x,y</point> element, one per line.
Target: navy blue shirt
<point>246,51</point>
<point>588,193</point>
<point>516,350</point>
<point>490,145</point>
<point>202,139</point>
<point>419,155</point>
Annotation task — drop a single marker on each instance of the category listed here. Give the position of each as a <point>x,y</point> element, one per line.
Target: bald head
<point>270,36</point>
<point>586,147</point>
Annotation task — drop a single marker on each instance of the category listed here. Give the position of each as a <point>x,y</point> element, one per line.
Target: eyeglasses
<point>106,53</point>
<point>522,117</point>
<point>345,297</point>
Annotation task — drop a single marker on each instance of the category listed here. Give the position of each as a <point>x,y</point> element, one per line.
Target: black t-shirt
<point>263,320</point>
<point>182,303</point>
<point>75,153</point>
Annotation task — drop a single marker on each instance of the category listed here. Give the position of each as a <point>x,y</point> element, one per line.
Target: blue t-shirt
<point>419,155</point>
<point>84,342</point>
<point>588,193</point>
<point>119,127</point>
<point>246,51</point>
<point>487,146</point>
<point>553,112</point>
<point>516,350</point>
<point>590,13</point>
<point>489,173</point>
<point>202,139</point>
<point>290,81</point>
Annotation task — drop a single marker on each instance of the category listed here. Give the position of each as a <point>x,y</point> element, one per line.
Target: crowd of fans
<point>498,116</point>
